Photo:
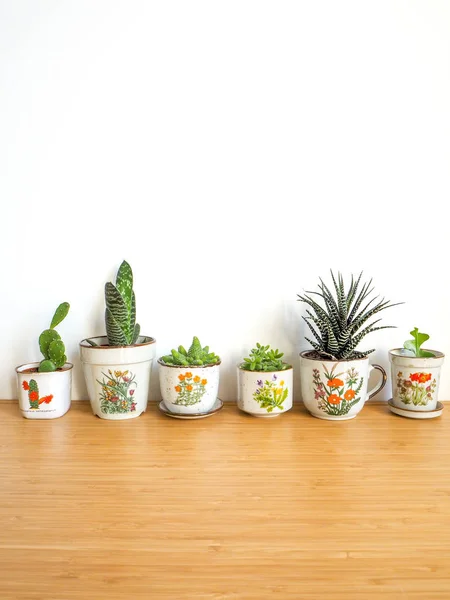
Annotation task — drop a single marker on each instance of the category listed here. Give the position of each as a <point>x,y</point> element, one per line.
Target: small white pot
<point>415,381</point>
<point>44,395</point>
<point>265,393</point>
<point>189,390</point>
<point>117,377</point>
<point>336,390</point>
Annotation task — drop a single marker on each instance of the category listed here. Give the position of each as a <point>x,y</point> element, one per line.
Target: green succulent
<point>51,344</point>
<point>337,325</point>
<point>196,356</point>
<point>262,358</point>
<point>414,345</point>
<point>120,313</point>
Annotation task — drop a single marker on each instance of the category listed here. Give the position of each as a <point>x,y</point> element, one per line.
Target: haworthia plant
<point>51,344</point>
<point>196,356</point>
<point>120,313</point>
<point>337,323</point>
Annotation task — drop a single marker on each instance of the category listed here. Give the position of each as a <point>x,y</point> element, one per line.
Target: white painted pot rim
<point>402,353</point>
<point>163,364</point>
<point>67,367</point>
<point>289,368</point>
<point>117,355</point>
<point>329,360</point>
<point>105,346</point>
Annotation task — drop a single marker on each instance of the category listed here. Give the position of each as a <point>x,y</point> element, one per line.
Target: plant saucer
<point>215,409</point>
<point>416,414</point>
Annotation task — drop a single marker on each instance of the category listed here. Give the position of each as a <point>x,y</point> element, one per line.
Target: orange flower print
<point>196,379</point>
<point>46,399</point>
<point>349,395</point>
<point>33,396</point>
<point>25,385</point>
<point>334,399</point>
<point>181,377</point>
<point>334,383</point>
<point>188,375</point>
<point>189,388</point>
<point>178,388</point>
<point>204,381</point>
<point>420,377</point>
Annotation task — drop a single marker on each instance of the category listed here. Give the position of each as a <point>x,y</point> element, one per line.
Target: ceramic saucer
<point>416,414</point>
<point>215,409</point>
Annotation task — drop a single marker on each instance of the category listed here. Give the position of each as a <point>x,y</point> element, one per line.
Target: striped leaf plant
<point>340,320</point>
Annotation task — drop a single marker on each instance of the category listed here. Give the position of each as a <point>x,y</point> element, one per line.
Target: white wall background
<point>232,152</point>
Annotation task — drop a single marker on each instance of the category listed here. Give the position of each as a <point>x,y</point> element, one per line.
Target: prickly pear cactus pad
<point>196,356</point>
<point>50,343</point>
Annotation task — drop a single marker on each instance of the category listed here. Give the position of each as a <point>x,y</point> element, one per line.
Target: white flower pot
<point>44,395</point>
<point>336,390</point>
<point>415,381</point>
<point>265,393</point>
<point>189,390</point>
<point>118,377</point>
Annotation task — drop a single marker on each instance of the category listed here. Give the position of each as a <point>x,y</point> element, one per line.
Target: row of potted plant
<point>334,373</point>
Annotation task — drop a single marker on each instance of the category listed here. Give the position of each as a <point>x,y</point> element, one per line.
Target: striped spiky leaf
<point>336,325</point>
<point>116,335</point>
<point>124,284</point>
<point>118,309</point>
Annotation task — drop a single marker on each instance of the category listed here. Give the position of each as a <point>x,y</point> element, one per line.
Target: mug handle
<point>371,393</point>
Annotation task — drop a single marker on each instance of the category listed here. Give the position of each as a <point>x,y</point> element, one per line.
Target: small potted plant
<point>44,388</point>
<point>334,375</point>
<point>117,367</point>
<point>265,383</point>
<point>189,380</point>
<point>415,374</point>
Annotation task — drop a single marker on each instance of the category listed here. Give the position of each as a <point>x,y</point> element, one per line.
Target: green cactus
<point>195,357</point>
<point>33,394</point>
<point>120,313</point>
<point>50,343</point>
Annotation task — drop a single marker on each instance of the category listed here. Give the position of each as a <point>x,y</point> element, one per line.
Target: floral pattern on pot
<point>190,390</point>
<point>116,395</point>
<point>418,389</point>
<point>270,394</point>
<point>336,396</point>
<point>33,394</point>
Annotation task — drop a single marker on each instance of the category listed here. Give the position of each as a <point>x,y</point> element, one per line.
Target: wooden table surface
<point>228,508</point>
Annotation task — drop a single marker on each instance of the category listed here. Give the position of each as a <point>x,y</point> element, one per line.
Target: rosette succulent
<point>262,358</point>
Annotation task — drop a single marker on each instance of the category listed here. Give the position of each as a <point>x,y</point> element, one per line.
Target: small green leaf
<point>414,344</point>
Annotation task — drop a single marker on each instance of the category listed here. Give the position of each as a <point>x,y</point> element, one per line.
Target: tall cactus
<point>33,394</point>
<point>120,313</point>
<point>51,344</point>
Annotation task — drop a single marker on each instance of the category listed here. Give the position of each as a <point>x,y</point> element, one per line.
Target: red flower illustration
<point>33,396</point>
<point>131,392</point>
<point>349,394</point>
<point>334,399</point>
<point>25,385</point>
<point>334,383</point>
<point>420,377</point>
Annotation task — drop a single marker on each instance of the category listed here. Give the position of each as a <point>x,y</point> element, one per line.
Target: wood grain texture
<point>229,508</point>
